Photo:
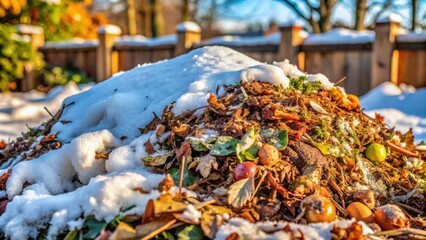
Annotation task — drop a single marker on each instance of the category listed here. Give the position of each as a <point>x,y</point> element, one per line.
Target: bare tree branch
<point>295,9</point>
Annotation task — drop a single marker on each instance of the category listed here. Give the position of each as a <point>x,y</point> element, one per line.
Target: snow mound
<point>401,106</point>
<point>129,101</point>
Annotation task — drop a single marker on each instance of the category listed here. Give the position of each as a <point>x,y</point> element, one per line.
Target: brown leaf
<point>166,184</point>
<point>274,184</point>
<point>101,155</point>
<point>3,205</point>
<point>181,130</point>
<point>183,151</point>
<point>123,231</point>
<point>205,165</point>
<point>4,178</point>
<point>146,228</point>
<point>47,139</point>
<point>274,113</point>
<point>164,204</point>
<point>215,104</point>
<point>233,236</point>
<point>210,223</point>
<point>148,147</point>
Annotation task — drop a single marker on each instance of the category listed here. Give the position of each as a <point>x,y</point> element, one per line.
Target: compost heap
<point>263,161</point>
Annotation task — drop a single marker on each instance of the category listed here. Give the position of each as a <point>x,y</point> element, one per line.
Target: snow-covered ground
<point>107,117</point>
<point>19,110</point>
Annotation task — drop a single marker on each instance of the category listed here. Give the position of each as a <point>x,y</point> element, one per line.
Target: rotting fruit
<point>360,212</point>
<point>268,155</point>
<point>390,217</point>
<point>244,170</point>
<point>318,209</point>
<point>376,153</point>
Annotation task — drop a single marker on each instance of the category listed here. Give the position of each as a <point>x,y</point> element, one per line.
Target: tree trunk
<point>131,17</point>
<point>325,10</point>
<point>360,11</point>
<point>185,11</point>
<point>156,18</point>
<point>414,4</point>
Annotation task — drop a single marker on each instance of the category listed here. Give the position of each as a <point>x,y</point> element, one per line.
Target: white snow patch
<point>393,17</point>
<point>188,26</point>
<point>109,29</point>
<point>140,40</point>
<point>247,230</point>
<point>412,37</point>
<point>75,43</point>
<point>400,107</point>
<point>20,109</point>
<point>340,36</point>
<point>229,40</point>
<point>265,73</point>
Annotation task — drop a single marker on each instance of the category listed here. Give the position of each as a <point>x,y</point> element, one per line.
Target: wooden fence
<point>384,55</point>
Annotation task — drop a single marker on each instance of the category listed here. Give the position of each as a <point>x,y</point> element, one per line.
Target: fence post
<point>36,40</point>
<point>291,38</point>
<point>106,35</point>
<point>187,33</point>
<point>381,58</point>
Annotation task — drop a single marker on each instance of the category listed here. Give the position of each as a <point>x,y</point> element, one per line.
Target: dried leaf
<point>166,184</point>
<point>146,228</point>
<point>210,224</point>
<point>240,192</point>
<point>148,147</point>
<point>225,145</point>
<point>123,231</point>
<point>101,155</point>
<point>183,151</point>
<point>181,130</point>
<point>317,107</point>
<point>215,104</point>
<point>205,165</point>
<point>157,160</point>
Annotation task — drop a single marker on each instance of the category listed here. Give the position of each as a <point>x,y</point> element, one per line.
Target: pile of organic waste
<point>273,160</point>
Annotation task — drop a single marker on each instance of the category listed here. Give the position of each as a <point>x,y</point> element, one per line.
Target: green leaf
<point>198,144</point>
<point>188,177</point>
<point>240,192</point>
<point>191,232</point>
<point>94,227</point>
<point>281,139</point>
<point>224,146</point>
<point>246,143</point>
<point>157,160</point>
<point>73,235</point>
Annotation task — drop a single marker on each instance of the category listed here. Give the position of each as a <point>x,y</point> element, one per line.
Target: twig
<point>203,204</point>
<point>258,184</point>
<point>401,150</point>
<point>182,169</point>
<point>159,230</point>
<point>340,208</point>
<point>340,81</point>
<point>404,231</point>
<point>47,110</point>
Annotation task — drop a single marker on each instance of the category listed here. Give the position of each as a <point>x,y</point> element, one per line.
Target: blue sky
<point>250,11</point>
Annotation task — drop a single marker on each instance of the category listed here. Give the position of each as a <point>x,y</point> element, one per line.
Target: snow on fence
<point>365,58</point>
